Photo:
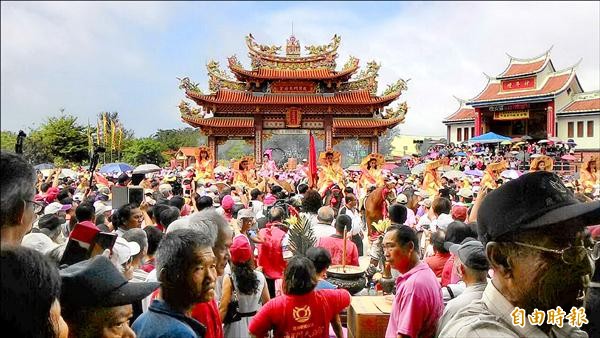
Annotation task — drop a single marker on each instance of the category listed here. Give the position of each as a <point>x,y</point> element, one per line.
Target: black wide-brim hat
<point>534,200</point>
<point>96,282</point>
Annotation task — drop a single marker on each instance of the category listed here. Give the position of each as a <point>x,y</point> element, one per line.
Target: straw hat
<point>373,156</point>
<point>497,166</point>
<point>536,161</point>
<point>336,156</point>
<point>433,165</point>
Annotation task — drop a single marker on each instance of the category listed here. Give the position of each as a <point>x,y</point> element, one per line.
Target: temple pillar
<point>212,148</point>
<point>328,124</point>
<point>449,134</point>
<point>477,121</point>
<point>258,135</point>
<point>374,144</point>
<point>550,119</point>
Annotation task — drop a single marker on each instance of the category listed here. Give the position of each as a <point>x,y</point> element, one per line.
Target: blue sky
<point>125,56</point>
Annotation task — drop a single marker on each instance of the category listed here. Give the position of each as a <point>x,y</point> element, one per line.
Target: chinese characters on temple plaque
<point>576,317</point>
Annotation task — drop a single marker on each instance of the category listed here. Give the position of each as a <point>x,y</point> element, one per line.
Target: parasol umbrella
<point>389,166</point>
<point>401,171</point>
<point>63,173</point>
<point>555,139</point>
<point>115,168</point>
<point>569,157</point>
<point>520,143</point>
<point>571,142</point>
<point>543,141</point>
<point>511,173</point>
<point>507,142</point>
<point>535,155</point>
<point>440,144</point>
<point>407,157</point>
<point>514,152</point>
<point>419,168</point>
<point>146,168</point>
<point>526,138</point>
<point>433,155</point>
<point>515,139</point>
<point>474,172</point>
<point>452,174</point>
<point>43,166</point>
<point>461,154</point>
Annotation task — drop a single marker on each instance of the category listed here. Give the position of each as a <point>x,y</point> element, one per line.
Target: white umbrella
<point>419,168</point>
<point>543,141</point>
<point>535,155</point>
<point>452,174</point>
<point>146,168</point>
<point>511,173</point>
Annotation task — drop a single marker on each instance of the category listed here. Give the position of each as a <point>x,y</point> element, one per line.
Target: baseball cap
<point>38,242</point>
<point>402,199</point>
<point>471,253</point>
<point>101,208</point>
<point>465,192</point>
<point>125,249</point>
<point>96,282</point>
<point>459,213</point>
<point>245,213</point>
<point>240,250</point>
<point>55,207</point>
<point>165,187</point>
<point>534,200</point>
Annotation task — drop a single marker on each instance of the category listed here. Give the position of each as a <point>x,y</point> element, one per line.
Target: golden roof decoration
<point>265,49</point>
<point>186,84</point>
<point>325,49</point>
<point>220,79</point>
<point>396,87</point>
<point>186,110</point>
<point>351,63</point>
<point>399,112</point>
<point>365,80</point>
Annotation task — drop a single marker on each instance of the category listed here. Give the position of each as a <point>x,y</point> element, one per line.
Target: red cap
<point>459,213</point>
<point>240,250</point>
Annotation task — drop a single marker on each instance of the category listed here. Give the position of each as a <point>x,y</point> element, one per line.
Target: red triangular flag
<point>99,179</point>
<point>312,162</point>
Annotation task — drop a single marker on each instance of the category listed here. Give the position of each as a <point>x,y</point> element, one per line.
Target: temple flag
<point>105,130</point>
<point>312,162</point>
<point>113,135</point>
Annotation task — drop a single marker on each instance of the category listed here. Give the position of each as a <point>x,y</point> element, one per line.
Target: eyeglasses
<point>37,207</point>
<point>571,254</point>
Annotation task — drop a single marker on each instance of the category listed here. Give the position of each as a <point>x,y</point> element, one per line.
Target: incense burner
<point>352,278</point>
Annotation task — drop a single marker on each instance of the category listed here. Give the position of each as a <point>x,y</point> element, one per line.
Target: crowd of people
<point>210,254</point>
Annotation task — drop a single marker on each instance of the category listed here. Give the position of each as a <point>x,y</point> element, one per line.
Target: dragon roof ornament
<point>186,110</point>
<point>365,80</point>
<point>220,79</point>
<point>265,49</point>
<point>186,84</point>
<point>325,49</point>
<point>399,112</point>
<point>351,63</point>
<point>396,87</point>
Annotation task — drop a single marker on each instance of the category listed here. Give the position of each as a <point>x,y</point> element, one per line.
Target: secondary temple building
<point>293,93</point>
<point>530,97</point>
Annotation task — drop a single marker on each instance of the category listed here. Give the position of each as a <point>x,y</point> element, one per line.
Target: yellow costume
<point>546,160</point>
<point>204,166</point>
<point>330,171</point>
<point>588,175</point>
<point>492,174</point>
<point>371,174</point>
<point>245,177</point>
<point>431,180</point>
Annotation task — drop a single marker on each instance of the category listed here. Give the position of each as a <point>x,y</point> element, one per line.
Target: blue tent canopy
<point>489,138</point>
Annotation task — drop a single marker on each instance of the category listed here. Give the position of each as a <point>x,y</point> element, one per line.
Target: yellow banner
<point>511,115</point>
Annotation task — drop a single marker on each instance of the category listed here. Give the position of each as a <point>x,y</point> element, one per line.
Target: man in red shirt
<point>335,243</point>
<point>441,255</point>
<point>274,249</point>
<point>300,311</point>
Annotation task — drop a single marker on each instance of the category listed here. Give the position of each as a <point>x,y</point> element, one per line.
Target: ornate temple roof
<point>523,67</point>
<point>583,103</point>
<point>464,113</point>
<point>553,84</point>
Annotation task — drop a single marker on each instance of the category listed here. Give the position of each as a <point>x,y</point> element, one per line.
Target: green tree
<point>175,138</point>
<point>58,139</point>
<point>144,150</point>
<point>8,140</point>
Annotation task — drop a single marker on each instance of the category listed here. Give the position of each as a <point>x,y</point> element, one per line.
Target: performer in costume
<point>204,166</point>
<point>268,168</point>
<point>330,171</point>
<point>370,176</point>
<point>492,174</point>
<point>431,180</point>
<point>244,174</point>
<point>588,175</point>
<point>542,163</point>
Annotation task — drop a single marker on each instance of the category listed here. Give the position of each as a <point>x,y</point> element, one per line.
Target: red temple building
<point>292,92</point>
<point>530,97</point>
